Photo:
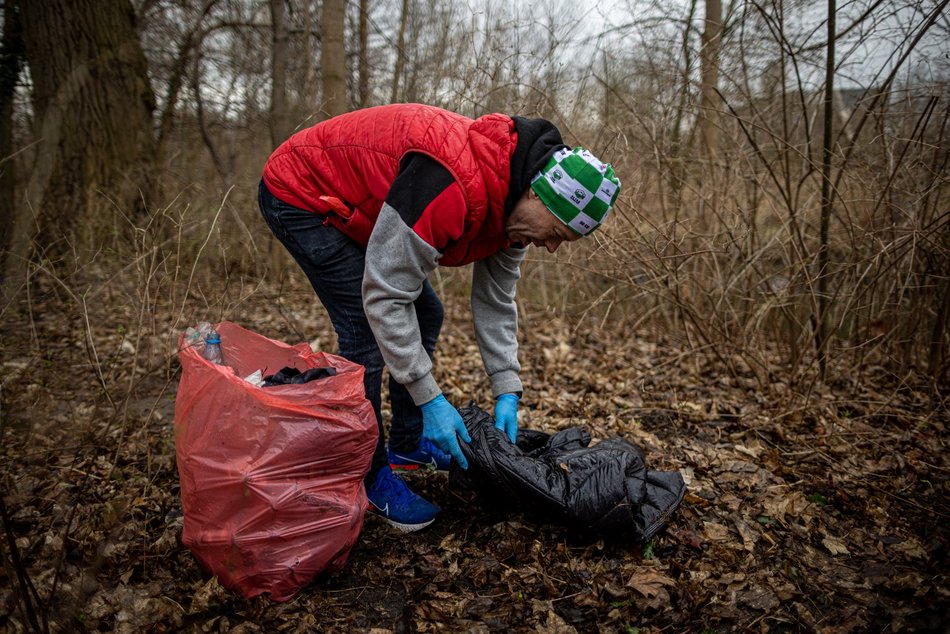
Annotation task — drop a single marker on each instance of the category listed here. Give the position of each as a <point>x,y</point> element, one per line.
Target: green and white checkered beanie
<point>578,188</point>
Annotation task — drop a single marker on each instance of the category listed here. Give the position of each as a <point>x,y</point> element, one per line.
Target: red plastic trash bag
<point>271,477</point>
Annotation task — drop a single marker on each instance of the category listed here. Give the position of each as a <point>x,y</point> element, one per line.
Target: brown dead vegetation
<point>806,512</point>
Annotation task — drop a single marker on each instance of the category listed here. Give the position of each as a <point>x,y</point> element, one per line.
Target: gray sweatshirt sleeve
<point>495,316</point>
<point>397,263</point>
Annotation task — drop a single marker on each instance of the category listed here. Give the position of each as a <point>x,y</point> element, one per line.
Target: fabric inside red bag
<point>271,477</point>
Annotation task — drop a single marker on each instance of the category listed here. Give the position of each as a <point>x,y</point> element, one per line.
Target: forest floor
<point>824,513</point>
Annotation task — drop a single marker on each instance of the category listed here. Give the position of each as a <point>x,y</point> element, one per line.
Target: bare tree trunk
<point>219,166</point>
<point>821,330</point>
<point>709,99</point>
<point>279,114</point>
<point>679,172</point>
<point>309,91</point>
<point>364,54</point>
<point>333,58</point>
<point>93,105</point>
<point>685,85</point>
<point>400,51</point>
<point>11,61</point>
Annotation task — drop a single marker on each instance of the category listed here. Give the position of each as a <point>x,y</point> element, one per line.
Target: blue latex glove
<point>506,415</point>
<point>442,424</point>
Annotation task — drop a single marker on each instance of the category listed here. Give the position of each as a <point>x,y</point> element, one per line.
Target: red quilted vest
<point>345,166</point>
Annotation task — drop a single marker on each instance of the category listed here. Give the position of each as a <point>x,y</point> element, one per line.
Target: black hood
<point>538,139</point>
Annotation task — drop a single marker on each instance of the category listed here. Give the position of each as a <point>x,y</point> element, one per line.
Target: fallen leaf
<point>753,451</point>
<point>749,536</point>
<point>716,532</point>
<point>695,500</point>
<point>199,602</point>
<point>912,548</point>
<point>835,546</point>
<point>793,503</point>
<point>759,599</point>
<point>688,537</point>
<point>650,583</point>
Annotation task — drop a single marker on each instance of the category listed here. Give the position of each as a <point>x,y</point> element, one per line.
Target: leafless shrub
<point>727,254</point>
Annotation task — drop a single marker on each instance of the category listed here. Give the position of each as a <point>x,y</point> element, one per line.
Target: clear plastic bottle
<point>212,351</point>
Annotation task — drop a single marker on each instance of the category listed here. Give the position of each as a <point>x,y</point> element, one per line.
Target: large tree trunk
<point>309,92</point>
<point>708,121</point>
<point>93,105</point>
<point>364,54</point>
<point>279,108</point>
<point>333,58</point>
<point>400,51</point>
<point>709,77</point>
<point>11,61</point>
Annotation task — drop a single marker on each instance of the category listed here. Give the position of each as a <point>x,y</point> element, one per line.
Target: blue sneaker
<point>391,498</point>
<point>426,456</point>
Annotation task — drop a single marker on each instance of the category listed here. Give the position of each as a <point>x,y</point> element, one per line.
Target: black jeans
<point>334,265</point>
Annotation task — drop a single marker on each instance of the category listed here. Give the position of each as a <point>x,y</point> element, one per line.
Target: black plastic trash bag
<point>605,489</point>
<point>293,376</point>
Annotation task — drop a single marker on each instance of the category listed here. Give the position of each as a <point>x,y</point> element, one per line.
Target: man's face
<point>531,222</point>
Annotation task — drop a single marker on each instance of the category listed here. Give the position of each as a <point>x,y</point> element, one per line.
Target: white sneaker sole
<point>405,528</point>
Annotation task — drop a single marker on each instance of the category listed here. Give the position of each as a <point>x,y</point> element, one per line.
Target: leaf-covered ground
<point>822,514</point>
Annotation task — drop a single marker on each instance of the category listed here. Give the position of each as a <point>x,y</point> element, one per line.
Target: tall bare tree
<point>708,121</point>
<point>827,202</point>
<point>363,92</point>
<point>333,58</point>
<point>11,61</point>
<point>93,105</point>
<point>400,51</point>
<point>310,89</point>
<point>279,106</point>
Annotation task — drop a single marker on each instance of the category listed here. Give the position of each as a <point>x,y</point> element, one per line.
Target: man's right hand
<point>442,424</point>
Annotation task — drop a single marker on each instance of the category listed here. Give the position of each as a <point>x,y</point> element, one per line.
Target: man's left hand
<point>506,415</point>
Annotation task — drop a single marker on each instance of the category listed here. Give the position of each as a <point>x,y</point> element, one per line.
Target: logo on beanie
<point>578,188</point>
